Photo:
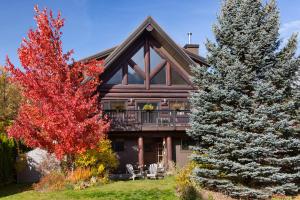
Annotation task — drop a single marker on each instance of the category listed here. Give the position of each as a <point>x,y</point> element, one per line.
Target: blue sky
<point>92,26</point>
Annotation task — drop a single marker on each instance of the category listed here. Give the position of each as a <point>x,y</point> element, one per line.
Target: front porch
<point>144,148</point>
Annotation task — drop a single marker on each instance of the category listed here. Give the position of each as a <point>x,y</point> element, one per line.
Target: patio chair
<point>154,172</point>
<point>133,174</point>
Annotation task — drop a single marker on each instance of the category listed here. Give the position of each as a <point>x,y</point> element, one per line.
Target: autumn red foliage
<point>61,113</point>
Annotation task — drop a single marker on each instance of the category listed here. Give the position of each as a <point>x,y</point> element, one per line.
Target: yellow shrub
<point>184,186</point>
<point>183,176</point>
<point>100,160</point>
<point>79,174</point>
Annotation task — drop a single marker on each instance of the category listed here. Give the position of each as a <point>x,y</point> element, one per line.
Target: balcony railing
<point>135,120</point>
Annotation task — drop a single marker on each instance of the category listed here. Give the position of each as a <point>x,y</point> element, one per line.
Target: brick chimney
<point>193,48</point>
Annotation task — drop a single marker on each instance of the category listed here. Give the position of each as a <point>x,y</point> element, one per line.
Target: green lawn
<point>121,190</point>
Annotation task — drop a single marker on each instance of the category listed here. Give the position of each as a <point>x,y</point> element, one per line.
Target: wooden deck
<point>141,120</point>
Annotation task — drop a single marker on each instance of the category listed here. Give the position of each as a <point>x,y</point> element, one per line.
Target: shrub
<point>79,175</point>
<point>8,154</point>
<point>100,160</point>
<point>185,187</point>
<point>54,181</point>
<point>172,169</point>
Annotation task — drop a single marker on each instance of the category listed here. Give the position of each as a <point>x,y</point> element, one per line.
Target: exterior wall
<point>181,157</point>
<point>129,155</point>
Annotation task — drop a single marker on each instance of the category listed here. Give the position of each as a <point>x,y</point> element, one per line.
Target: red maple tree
<point>61,113</point>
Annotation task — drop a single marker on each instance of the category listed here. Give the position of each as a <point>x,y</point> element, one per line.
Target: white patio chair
<point>133,174</point>
<point>154,172</point>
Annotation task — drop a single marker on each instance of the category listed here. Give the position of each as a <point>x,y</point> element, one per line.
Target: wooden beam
<point>125,75</point>
<point>141,151</point>
<point>169,148</point>
<point>145,95</point>
<point>168,73</point>
<point>147,64</point>
<point>137,68</point>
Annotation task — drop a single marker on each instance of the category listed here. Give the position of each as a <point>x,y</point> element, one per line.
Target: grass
<point>122,190</point>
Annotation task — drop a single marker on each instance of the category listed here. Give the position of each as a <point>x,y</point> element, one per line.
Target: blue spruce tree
<point>245,114</point>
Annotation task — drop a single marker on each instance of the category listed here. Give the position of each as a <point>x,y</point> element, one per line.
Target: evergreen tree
<point>245,114</point>
<point>10,98</point>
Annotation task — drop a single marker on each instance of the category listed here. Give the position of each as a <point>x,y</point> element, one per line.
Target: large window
<point>179,105</point>
<point>114,105</point>
<point>116,78</point>
<point>134,77</point>
<point>138,58</point>
<point>160,77</point>
<point>187,144</point>
<point>176,79</point>
<point>155,59</point>
<point>161,71</point>
<point>117,145</point>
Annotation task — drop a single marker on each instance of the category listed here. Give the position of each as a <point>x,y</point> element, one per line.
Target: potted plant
<point>119,108</point>
<point>148,107</point>
<point>177,106</point>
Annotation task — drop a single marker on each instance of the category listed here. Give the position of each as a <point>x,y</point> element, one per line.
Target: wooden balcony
<point>141,120</point>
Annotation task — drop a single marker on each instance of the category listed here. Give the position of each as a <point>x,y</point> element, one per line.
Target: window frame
<point>146,73</point>
<point>114,142</point>
<point>189,140</point>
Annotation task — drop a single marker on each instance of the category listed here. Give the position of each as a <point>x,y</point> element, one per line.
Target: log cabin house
<point>144,91</point>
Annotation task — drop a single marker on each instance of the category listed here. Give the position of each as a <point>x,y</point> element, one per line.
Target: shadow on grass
<point>11,189</point>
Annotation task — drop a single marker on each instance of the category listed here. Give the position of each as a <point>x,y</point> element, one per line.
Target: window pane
<point>176,79</point>
<point>140,106</point>
<point>160,77</point>
<point>138,58</point>
<point>116,78</point>
<point>155,59</point>
<point>179,105</point>
<point>133,77</point>
<point>187,144</point>
<point>105,105</point>
<point>117,146</point>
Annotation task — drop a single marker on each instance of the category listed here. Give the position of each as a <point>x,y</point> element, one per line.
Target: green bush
<point>8,155</point>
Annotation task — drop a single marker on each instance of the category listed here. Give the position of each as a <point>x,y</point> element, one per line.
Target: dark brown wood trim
<point>125,75</point>
<point>147,64</point>
<point>145,95</point>
<point>168,74</point>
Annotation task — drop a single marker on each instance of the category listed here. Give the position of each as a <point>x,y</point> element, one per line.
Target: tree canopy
<point>245,114</point>
<point>61,113</point>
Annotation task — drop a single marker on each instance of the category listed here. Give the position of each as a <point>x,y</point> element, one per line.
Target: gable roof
<point>149,25</point>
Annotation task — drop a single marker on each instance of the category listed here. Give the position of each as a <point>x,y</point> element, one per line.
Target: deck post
<point>169,149</point>
<point>141,151</point>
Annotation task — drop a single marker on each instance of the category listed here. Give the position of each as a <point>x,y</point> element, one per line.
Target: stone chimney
<point>193,48</point>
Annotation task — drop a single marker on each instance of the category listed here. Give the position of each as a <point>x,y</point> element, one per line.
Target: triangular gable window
<point>176,79</point>
<point>138,58</point>
<point>133,77</point>
<point>116,78</point>
<point>160,70</point>
<point>160,77</point>
<point>155,59</point>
